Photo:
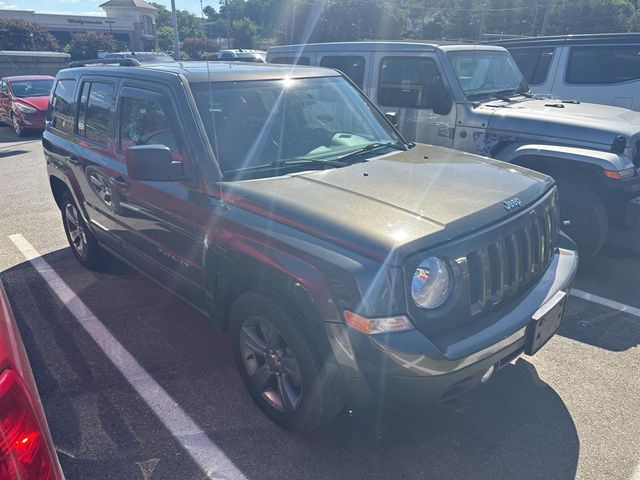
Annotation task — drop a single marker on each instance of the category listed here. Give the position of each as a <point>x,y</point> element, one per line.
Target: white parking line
<point>213,462</point>
<point>590,297</point>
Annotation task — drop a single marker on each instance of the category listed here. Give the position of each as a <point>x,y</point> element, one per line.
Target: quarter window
<point>603,64</point>
<point>62,109</point>
<point>95,119</point>
<point>534,63</point>
<point>145,122</point>
<point>413,82</point>
<point>351,66</point>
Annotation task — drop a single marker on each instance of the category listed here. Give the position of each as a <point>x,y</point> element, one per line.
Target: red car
<point>26,449</point>
<point>24,101</point>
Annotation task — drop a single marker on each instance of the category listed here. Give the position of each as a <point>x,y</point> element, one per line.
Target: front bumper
<point>31,121</point>
<point>409,366</point>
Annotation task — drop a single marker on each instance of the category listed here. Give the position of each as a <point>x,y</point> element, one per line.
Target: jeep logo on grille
<point>511,204</point>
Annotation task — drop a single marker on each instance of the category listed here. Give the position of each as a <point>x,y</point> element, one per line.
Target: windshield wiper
<point>491,94</point>
<point>369,148</point>
<point>294,162</point>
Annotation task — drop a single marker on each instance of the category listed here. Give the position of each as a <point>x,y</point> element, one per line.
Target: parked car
<point>602,68</point>
<point>27,451</point>
<point>142,57</point>
<point>346,262</point>
<point>24,101</point>
<point>241,55</point>
<point>473,98</point>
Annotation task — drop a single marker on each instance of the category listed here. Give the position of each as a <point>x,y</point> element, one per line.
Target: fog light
<point>487,375</point>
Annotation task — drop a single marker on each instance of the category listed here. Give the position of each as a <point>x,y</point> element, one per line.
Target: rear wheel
<point>282,370</point>
<point>584,218</point>
<point>81,240</point>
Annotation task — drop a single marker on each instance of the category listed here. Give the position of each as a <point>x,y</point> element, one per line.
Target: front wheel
<point>584,218</point>
<point>280,367</point>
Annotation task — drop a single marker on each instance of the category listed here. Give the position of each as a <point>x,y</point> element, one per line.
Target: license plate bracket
<point>545,323</point>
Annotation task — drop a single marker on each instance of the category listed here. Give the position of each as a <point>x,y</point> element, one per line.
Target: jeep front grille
<point>515,261</point>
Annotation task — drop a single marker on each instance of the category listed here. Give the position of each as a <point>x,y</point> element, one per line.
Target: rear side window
<point>291,60</point>
<point>144,122</point>
<point>603,64</point>
<point>534,63</point>
<point>62,109</point>
<point>96,116</point>
<point>412,82</point>
<point>351,66</point>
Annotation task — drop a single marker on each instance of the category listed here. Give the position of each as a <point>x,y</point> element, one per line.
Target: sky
<point>91,7</point>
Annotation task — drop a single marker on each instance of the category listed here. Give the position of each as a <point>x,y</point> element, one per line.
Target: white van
<point>601,68</point>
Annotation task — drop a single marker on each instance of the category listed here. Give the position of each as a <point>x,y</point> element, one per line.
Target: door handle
<point>73,159</point>
<point>119,182</point>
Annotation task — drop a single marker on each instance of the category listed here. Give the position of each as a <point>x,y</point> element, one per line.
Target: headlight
<point>431,283</point>
<point>25,108</point>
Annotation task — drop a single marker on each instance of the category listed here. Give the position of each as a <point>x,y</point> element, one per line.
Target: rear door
<point>164,228</point>
<point>606,74</point>
<point>412,85</point>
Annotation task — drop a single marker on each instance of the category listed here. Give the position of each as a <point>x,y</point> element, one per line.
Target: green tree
<point>165,38</point>
<point>189,25</point>
<point>86,45</point>
<point>21,35</point>
<point>244,33</point>
<point>196,47</point>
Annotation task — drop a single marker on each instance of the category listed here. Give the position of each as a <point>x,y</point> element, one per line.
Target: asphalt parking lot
<point>137,385</point>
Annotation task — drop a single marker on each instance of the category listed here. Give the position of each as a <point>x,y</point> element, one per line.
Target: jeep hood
<point>399,202</point>
<point>574,123</point>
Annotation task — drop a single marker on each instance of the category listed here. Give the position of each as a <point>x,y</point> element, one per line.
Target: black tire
<point>584,218</point>
<point>82,242</point>
<point>16,126</point>
<point>315,386</point>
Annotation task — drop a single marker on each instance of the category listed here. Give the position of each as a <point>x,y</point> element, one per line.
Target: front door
<point>413,86</point>
<point>164,226</point>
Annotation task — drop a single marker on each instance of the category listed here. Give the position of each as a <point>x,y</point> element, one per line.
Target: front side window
<point>352,66</point>
<point>144,122</point>
<point>96,117</point>
<point>482,73</point>
<point>534,63</point>
<point>411,82</point>
<point>31,88</point>
<point>273,122</point>
<point>603,64</point>
<point>62,108</point>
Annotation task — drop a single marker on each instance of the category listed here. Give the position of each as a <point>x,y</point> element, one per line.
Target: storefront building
<point>131,22</point>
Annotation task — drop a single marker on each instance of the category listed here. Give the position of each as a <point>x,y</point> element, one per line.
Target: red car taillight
<point>24,454</point>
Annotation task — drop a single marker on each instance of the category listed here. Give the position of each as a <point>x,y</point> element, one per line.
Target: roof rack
<point>123,62</point>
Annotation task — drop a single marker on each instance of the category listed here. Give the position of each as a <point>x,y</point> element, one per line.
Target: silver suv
<point>474,98</point>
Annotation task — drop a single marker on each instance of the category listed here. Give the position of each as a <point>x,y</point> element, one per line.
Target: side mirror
<point>393,118</point>
<point>153,163</point>
<point>444,103</point>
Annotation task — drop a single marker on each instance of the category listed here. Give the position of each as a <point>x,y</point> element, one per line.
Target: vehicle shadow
<point>11,153</point>
<point>613,274</point>
<point>515,426</point>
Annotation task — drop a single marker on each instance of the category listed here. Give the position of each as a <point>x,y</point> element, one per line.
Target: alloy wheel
<point>270,364</point>
<point>76,231</point>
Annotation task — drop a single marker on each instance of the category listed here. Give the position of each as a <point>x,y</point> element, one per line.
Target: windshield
<point>483,73</point>
<point>255,123</point>
<point>31,88</point>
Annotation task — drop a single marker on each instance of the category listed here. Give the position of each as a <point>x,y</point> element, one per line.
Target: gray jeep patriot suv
<point>347,263</point>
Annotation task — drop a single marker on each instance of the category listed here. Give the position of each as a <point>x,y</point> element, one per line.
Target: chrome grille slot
<point>511,264</point>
